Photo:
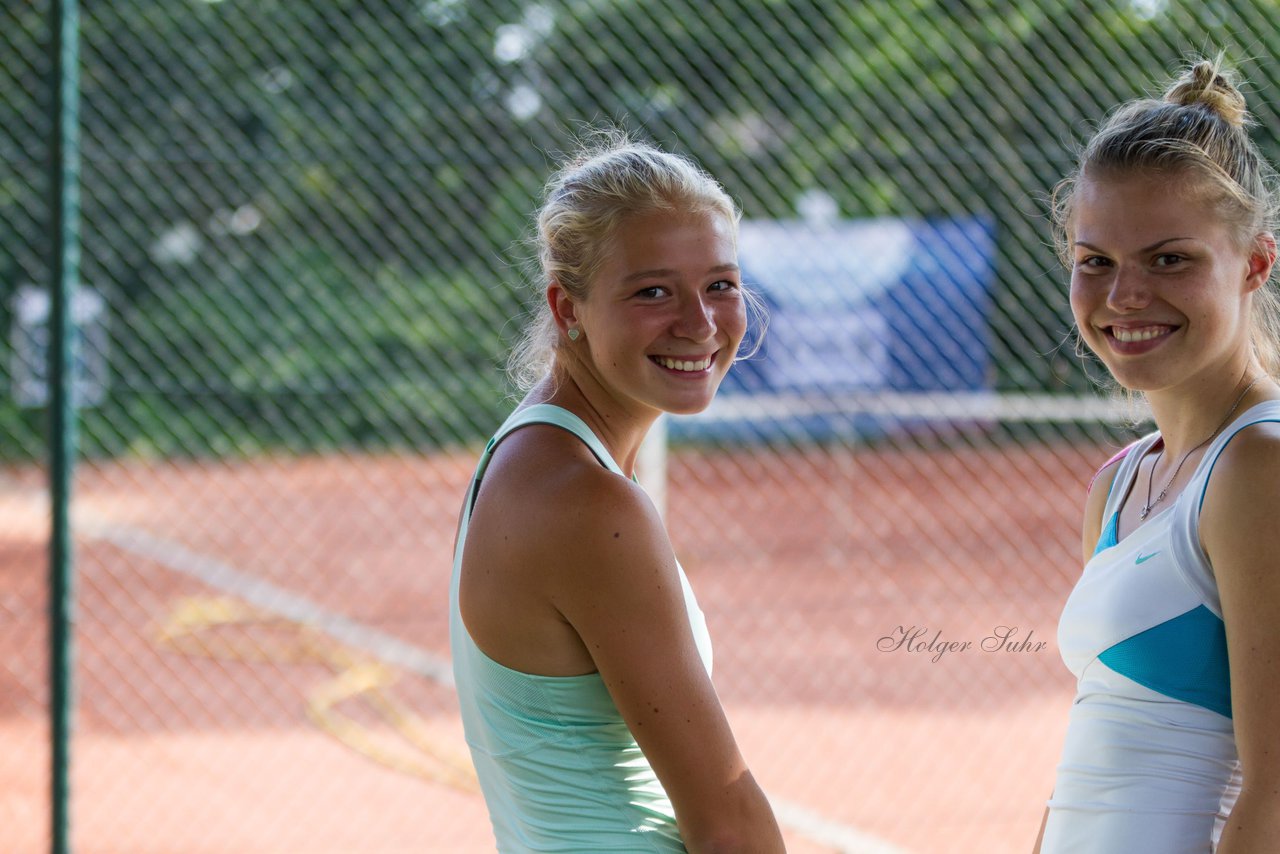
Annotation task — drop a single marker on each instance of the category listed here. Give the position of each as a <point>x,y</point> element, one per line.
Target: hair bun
<point>1206,85</point>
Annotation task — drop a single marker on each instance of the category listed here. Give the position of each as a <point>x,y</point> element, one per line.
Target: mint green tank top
<point>559,769</point>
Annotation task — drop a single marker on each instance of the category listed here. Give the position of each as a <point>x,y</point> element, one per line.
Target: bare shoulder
<point>547,497</point>
<point>1100,485</point>
<point>1257,444</point>
<point>1095,504</point>
<point>547,517</point>
<point>1244,488</point>
<point>600,526</point>
<point>590,544</point>
<point>558,480</point>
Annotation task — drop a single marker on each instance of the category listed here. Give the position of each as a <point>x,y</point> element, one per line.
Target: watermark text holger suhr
<point>919,639</point>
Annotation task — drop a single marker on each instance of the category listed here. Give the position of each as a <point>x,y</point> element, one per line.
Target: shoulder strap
<point>1268,410</point>
<point>541,413</point>
<point>1192,562</point>
<point>1128,470</point>
<point>546,413</point>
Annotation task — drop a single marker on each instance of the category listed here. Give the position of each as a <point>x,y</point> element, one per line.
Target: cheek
<point>733,320</point>
<point>1086,297</point>
<point>1078,299</point>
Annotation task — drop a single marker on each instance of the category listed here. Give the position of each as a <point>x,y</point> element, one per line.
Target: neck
<point>1188,417</point>
<point>621,429</point>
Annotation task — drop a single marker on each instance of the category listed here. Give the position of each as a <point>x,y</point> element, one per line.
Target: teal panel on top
<point>1110,534</point>
<point>1184,658</point>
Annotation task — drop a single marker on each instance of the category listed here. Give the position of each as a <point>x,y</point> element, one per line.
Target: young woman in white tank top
<point>1173,630</point>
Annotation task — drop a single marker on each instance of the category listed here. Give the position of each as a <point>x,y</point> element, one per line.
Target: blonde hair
<point>1198,127</point>
<point>586,200</point>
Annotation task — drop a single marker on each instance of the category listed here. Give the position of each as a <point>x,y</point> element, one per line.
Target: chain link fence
<point>301,270</point>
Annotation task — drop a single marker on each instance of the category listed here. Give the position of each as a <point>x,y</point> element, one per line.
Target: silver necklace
<point>1146,508</point>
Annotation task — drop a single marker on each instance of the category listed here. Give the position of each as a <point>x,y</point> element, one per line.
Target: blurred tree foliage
<point>307,216</point>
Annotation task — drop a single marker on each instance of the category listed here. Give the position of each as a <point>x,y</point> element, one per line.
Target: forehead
<point>1143,208</point>
<point>673,240</point>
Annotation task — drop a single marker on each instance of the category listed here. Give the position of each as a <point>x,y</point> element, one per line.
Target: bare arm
<point>1240,535</point>
<point>619,588</point>
<point>1040,835</point>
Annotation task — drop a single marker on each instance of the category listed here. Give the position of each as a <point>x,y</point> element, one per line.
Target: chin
<point>687,406</point>
<point>1131,377</point>
<point>1136,384</point>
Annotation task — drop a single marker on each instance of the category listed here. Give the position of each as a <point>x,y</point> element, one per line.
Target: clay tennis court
<point>263,646</point>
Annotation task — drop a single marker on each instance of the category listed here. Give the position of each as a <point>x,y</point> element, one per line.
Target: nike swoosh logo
<point>1144,558</point>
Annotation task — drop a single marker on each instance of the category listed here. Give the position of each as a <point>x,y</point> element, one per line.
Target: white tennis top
<point>1150,761</point>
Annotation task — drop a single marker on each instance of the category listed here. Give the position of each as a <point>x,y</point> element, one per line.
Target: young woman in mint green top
<point>581,657</point>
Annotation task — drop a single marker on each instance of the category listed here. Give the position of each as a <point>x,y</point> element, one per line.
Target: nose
<point>695,319</point>
<point>1130,290</point>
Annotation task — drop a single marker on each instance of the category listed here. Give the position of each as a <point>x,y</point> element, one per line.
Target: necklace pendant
<point>1146,508</point>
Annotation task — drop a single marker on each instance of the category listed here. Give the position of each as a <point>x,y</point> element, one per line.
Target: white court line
<point>267,596</point>
<point>945,406</point>
<point>841,837</point>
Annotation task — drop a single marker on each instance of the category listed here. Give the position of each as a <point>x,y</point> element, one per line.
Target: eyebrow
<point>666,273</point>
<point>1151,248</point>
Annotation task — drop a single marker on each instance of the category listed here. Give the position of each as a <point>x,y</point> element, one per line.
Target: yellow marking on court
<point>192,628</point>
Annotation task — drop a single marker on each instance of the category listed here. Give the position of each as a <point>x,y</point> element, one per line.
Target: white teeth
<point>681,365</point>
<point>1144,334</point>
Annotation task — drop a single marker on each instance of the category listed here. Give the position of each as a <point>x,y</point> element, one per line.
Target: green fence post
<point>64,266</point>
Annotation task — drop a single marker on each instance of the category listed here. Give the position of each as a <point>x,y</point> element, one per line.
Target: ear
<point>1262,258</point>
<point>563,307</point>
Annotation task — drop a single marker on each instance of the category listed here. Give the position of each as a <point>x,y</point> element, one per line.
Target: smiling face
<point>1160,283</point>
<point>664,314</point>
